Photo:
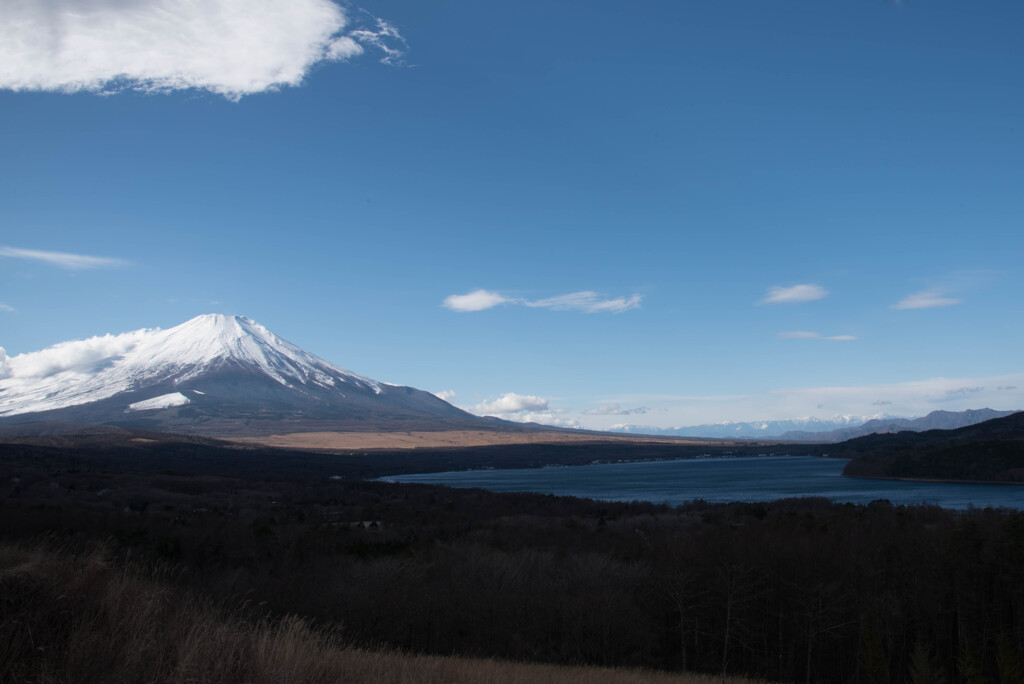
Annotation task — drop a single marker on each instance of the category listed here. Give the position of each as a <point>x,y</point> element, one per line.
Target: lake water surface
<point>764,478</point>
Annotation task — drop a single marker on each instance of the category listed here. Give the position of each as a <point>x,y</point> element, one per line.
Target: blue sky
<point>677,212</point>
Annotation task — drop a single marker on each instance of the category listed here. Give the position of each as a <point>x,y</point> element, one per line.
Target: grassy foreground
<point>80,616</point>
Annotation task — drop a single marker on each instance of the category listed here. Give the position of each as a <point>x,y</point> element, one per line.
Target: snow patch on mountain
<point>83,371</point>
<point>161,402</point>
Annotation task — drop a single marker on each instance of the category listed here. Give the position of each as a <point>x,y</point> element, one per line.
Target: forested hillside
<point>992,451</point>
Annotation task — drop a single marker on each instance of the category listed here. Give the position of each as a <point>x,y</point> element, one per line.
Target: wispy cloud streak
<point>795,294</point>
<point>586,302</point>
<point>805,335</point>
<point>62,259</point>
<point>926,299</point>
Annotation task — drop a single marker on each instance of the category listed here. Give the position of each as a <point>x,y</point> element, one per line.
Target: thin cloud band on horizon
<point>910,398</point>
<point>66,260</point>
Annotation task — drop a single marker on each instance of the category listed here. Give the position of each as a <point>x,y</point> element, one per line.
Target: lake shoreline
<point>721,480</point>
<point>933,480</point>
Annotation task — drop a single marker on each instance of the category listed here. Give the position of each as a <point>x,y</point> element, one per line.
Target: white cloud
<point>61,259</point>
<point>587,302</point>
<point>510,402</point>
<point>477,300</point>
<point>229,47</point>
<point>6,307</point>
<point>926,299</point>
<point>446,395</point>
<point>796,293</point>
<point>545,418</point>
<point>524,408</point>
<point>77,355</point>
<point>804,335</point>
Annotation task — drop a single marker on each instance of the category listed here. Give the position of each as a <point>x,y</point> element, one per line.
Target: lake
<point>763,478</point>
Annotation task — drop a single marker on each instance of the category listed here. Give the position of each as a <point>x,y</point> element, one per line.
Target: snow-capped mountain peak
<point>212,338</point>
<point>84,371</point>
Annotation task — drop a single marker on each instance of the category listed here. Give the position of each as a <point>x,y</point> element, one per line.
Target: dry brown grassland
<point>81,616</point>
<point>448,438</point>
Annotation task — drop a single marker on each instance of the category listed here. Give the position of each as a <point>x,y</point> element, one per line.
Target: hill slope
<point>992,451</point>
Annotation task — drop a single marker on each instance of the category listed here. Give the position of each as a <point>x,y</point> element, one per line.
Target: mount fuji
<point>214,375</point>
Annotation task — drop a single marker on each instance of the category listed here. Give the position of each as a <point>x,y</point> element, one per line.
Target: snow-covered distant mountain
<point>214,374</point>
<point>750,430</point>
<point>936,420</point>
<point>835,429</point>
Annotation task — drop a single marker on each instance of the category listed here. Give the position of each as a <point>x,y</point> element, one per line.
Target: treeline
<point>992,451</point>
<point>160,452</point>
<point>985,461</point>
<point>791,591</point>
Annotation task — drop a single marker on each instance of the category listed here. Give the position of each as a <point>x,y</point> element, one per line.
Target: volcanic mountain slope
<point>215,375</point>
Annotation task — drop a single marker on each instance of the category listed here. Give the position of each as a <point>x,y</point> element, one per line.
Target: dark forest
<point>791,591</point>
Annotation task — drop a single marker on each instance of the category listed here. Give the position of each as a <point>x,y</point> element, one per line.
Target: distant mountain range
<point>837,429</point>
<point>213,375</point>
<point>747,430</point>
<point>936,420</point>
